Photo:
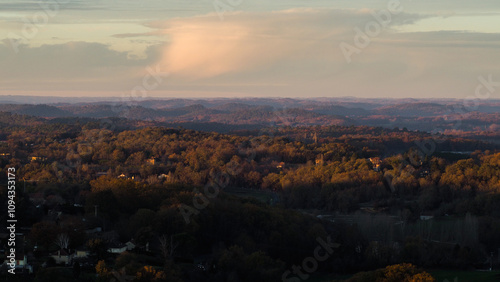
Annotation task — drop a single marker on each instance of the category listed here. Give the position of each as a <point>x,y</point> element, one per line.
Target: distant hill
<point>246,113</point>
<point>92,110</point>
<point>415,109</point>
<point>234,107</point>
<point>338,110</point>
<point>35,110</point>
<point>17,120</point>
<point>177,103</point>
<point>139,113</point>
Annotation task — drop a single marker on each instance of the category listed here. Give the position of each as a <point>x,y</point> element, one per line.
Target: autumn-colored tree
<point>403,272</point>
<point>97,247</point>
<point>149,274</point>
<point>102,270</point>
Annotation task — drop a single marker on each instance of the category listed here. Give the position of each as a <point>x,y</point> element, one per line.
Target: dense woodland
<point>272,193</point>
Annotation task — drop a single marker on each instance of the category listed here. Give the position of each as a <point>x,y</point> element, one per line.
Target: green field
<point>440,275</point>
<point>263,196</point>
<point>465,276</point>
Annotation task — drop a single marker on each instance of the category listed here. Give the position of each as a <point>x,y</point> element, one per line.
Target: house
<point>36,158</point>
<point>21,263</point>
<point>81,253</point>
<point>153,161</point>
<point>93,231</point>
<point>424,173</point>
<point>130,245</point>
<point>169,177</point>
<point>426,217</point>
<point>122,176</point>
<point>376,162</point>
<point>117,248</point>
<point>101,173</point>
<point>37,199</point>
<point>281,165</point>
<point>63,256</point>
<point>320,159</point>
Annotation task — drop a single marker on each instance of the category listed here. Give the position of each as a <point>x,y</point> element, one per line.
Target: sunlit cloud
<point>204,47</point>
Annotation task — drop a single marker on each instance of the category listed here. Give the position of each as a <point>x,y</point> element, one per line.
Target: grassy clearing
<point>260,195</point>
<point>440,275</point>
<point>465,276</point>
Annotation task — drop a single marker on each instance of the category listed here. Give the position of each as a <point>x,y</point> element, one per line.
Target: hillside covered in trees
<point>150,202</point>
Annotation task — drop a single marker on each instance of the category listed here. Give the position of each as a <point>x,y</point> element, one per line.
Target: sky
<point>248,48</point>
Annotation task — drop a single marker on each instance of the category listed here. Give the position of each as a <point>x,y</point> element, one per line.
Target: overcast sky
<point>241,48</point>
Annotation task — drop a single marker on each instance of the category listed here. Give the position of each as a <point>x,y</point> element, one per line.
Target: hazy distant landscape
<point>443,116</point>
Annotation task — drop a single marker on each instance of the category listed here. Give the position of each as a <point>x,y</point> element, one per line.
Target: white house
<point>63,256</point>
<point>118,249</point>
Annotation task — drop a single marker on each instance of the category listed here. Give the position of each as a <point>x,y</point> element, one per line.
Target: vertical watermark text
<point>11,219</point>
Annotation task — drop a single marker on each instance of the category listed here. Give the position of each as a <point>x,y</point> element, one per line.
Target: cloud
<point>204,46</point>
<point>296,53</point>
<point>129,35</point>
<point>77,56</point>
<point>73,65</point>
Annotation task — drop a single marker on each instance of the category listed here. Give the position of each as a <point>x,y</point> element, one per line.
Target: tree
<point>62,241</point>
<point>142,218</point>
<point>118,156</point>
<point>403,272</point>
<point>97,247</point>
<point>149,274</point>
<point>167,246</point>
<point>421,277</point>
<point>235,264</point>
<point>44,233</point>
<point>76,270</point>
<point>102,271</point>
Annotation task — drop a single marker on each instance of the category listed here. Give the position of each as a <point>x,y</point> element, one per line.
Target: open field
<point>263,196</point>
<point>465,276</point>
<point>440,275</point>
